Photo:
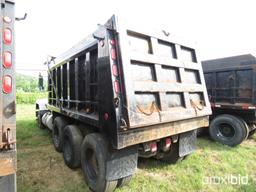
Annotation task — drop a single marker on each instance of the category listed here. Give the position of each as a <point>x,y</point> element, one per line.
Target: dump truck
<point>7,99</point>
<point>124,91</point>
<point>231,86</point>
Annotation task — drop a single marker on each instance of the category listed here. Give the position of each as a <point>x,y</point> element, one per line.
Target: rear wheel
<point>93,160</point>
<point>72,146</point>
<point>57,132</point>
<point>252,133</point>
<point>172,156</point>
<point>124,181</point>
<point>246,127</point>
<point>39,119</point>
<point>228,130</point>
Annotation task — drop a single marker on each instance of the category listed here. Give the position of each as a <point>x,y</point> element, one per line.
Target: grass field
<point>41,168</point>
<point>29,97</point>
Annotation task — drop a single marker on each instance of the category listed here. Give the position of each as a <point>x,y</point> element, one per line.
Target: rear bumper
<point>150,133</point>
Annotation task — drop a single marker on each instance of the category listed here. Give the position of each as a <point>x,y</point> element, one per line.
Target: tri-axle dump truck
<point>231,84</point>
<point>120,93</point>
<point>7,99</point>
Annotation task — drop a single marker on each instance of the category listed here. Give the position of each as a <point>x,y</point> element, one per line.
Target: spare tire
<point>228,130</point>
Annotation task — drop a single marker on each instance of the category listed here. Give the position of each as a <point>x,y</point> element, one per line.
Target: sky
<point>220,28</point>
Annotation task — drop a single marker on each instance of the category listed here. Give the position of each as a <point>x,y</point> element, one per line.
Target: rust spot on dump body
<point>7,162</point>
<point>6,167</point>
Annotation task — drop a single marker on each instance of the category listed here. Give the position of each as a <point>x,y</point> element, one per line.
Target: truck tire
<point>201,131</point>
<point>246,127</point>
<point>228,130</point>
<point>59,123</point>
<point>94,153</point>
<point>124,181</point>
<point>72,140</point>
<point>39,119</point>
<point>172,156</point>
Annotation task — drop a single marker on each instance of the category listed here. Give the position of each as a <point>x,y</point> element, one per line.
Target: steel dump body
<point>7,99</point>
<point>231,85</point>
<point>133,84</point>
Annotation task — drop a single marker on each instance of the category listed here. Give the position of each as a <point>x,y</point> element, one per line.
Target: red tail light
<point>7,36</point>
<point>114,70</point>
<point>112,42</point>
<point>7,84</point>
<point>168,142</point>
<point>106,116</point>
<point>117,87</point>
<point>7,59</point>
<point>113,54</point>
<point>153,147</point>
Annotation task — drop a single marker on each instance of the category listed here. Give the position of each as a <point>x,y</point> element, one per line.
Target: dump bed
<point>134,83</point>
<point>231,81</point>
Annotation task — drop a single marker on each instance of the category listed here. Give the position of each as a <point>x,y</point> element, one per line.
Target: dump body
<point>133,84</point>
<point>7,99</point>
<point>231,85</point>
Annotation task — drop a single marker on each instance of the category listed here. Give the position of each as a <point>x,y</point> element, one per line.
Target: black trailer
<point>124,91</point>
<point>231,86</point>
<point>7,99</point>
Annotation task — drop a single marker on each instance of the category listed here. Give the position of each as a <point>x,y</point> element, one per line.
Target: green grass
<point>41,168</point>
<point>29,97</point>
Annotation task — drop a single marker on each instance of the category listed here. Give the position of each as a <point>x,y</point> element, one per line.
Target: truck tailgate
<point>162,77</point>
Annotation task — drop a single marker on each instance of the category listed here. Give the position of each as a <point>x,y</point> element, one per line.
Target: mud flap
<point>8,183</point>
<point>187,143</point>
<point>121,163</point>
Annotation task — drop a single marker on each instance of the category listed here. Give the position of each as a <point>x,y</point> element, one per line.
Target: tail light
<point>167,142</point>
<point>247,107</point>
<point>112,42</point>
<point>153,147</point>
<point>113,54</point>
<point>7,84</point>
<point>7,59</point>
<point>7,36</point>
<point>106,116</point>
<point>114,70</point>
<point>117,87</point>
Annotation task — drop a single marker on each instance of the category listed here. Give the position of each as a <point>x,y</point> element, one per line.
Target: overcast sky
<point>220,27</point>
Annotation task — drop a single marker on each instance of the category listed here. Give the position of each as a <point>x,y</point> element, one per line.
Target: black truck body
<point>231,86</point>
<point>142,90</point>
<point>7,98</point>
